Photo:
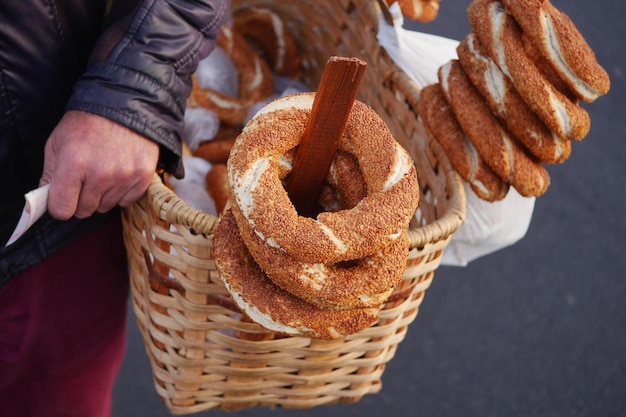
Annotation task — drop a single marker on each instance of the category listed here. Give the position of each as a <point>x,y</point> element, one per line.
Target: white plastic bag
<point>192,189</point>
<point>488,227</point>
<point>200,125</point>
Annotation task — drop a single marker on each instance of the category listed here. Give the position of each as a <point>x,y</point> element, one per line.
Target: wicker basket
<point>204,354</point>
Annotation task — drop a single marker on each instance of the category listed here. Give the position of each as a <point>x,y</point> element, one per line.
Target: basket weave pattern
<point>204,354</point>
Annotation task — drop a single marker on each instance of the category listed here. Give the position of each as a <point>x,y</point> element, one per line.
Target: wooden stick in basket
<point>331,107</point>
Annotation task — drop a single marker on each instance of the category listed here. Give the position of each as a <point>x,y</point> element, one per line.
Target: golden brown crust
<point>555,35</point>
<point>365,282</point>
<point>254,79</point>
<point>421,10</point>
<point>345,184</point>
<point>362,283</point>
<point>307,288</point>
<point>441,123</point>
<point>476,121</point>
<point>216,181</point>
<point>546,69</point>
<point>267,33</point>
<point>505,102</point>
<point>502,39</point>
<point>271,306</point>
<point>498,149</point>
<point>215,151</point>
<point>388,170</point>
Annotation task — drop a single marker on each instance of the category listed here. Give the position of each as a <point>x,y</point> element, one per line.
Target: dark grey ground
<point>536,329</point>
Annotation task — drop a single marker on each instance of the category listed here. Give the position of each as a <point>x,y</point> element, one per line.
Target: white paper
<point>35,207</point>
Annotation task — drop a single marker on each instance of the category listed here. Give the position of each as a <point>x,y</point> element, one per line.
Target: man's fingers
<point>63,200</point>
<point>93,164</point>
<point>89,202</point>
<point>114,197</point>
<point>127,193</point>
<point>131,196</point>
<point>83,199</point>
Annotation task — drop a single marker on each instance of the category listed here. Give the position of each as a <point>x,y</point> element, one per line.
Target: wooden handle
<point>331,107</point>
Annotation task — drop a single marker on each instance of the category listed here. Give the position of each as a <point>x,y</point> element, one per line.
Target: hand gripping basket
<point>204,354</point>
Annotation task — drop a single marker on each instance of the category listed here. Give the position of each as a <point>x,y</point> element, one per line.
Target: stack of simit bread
<point>510,103</point>
<point>323,277</point>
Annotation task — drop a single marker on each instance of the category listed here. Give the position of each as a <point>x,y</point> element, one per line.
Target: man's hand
<point>93,164</point>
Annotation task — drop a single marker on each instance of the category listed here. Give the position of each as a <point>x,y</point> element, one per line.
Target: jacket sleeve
<point>139,73</point>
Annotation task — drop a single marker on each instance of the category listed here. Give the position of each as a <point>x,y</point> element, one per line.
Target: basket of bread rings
<point>249,302</point>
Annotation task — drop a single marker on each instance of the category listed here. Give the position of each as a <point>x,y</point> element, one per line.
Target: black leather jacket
<point>133,67</point>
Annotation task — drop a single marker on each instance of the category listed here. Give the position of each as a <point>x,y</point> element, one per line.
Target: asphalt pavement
<point>535,329</point>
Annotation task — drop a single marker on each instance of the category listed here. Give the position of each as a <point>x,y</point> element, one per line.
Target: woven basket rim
<point>171,208</point>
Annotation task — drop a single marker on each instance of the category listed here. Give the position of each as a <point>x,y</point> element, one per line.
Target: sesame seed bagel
<point>364,282</point>
<point>495,145</point>
<point>504,101</point>
<point>502,38</point>
<point>267,304</point>
<point>255,81</point>
<point>254,173</point>
<point>441,124</point>
<point>267,33</point>
<point>344,187</point>
<point>556,37</point>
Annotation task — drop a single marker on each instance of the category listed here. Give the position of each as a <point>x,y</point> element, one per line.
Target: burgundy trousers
<point>62,330</point>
